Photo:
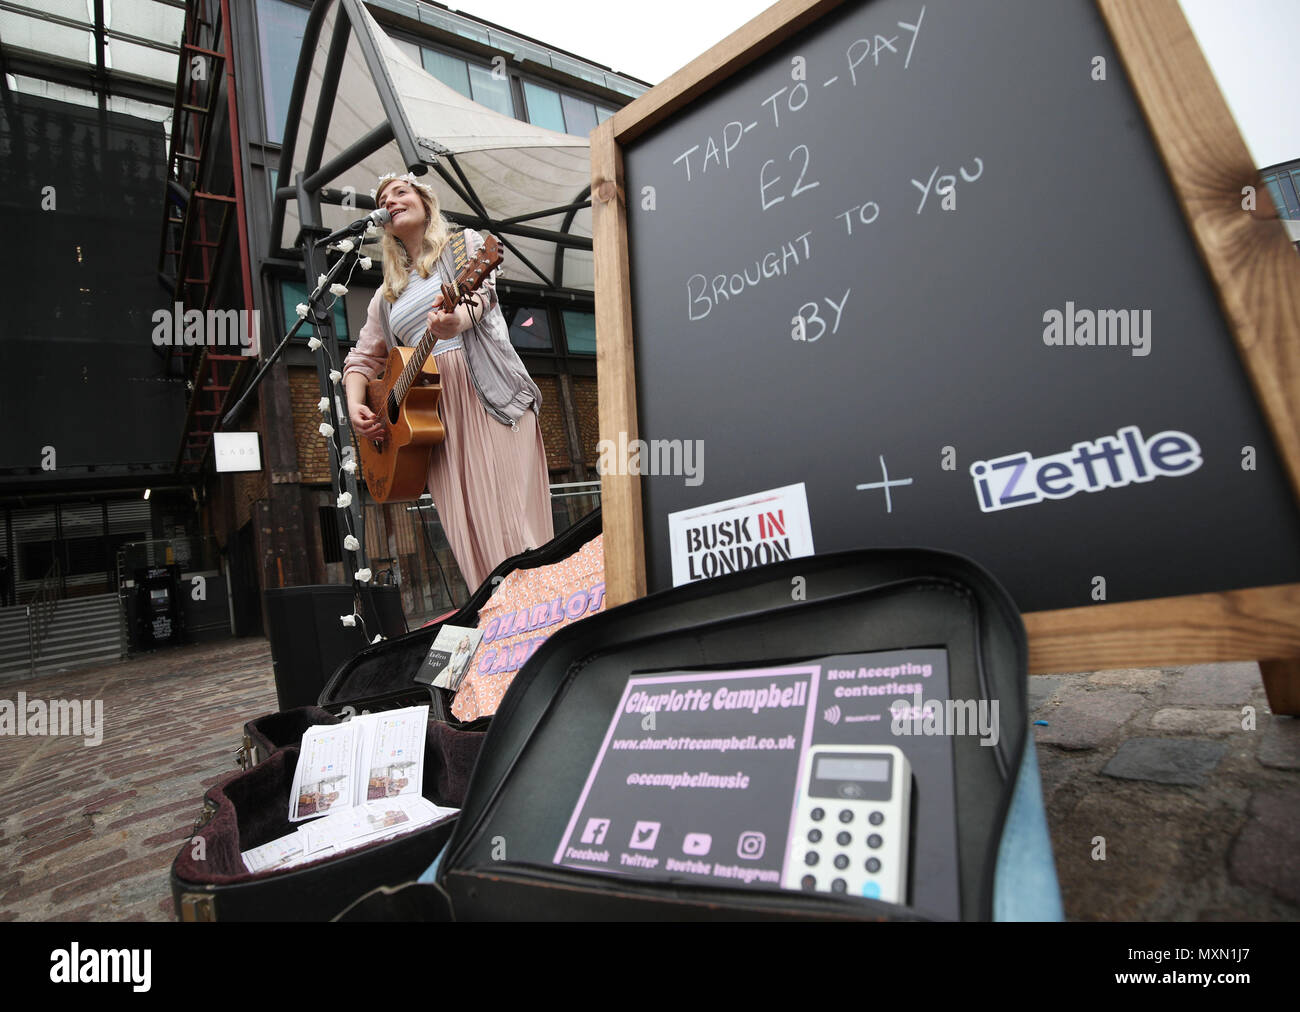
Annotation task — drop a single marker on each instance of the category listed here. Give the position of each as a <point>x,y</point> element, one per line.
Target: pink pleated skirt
<point>488,481</point>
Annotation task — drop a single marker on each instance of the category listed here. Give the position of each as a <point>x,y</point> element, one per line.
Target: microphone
<point>379,216</point>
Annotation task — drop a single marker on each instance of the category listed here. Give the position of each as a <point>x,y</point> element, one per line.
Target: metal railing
<point>40,611</point>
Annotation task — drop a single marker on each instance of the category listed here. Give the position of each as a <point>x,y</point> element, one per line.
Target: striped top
<point>410,313</point>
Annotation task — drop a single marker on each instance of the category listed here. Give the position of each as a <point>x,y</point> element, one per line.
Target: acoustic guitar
<point>407,393</point>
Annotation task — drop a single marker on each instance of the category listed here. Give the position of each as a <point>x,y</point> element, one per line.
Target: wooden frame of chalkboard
<point>1253,266</point>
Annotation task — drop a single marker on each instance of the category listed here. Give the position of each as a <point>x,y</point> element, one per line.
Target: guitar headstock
<point>480,265</point>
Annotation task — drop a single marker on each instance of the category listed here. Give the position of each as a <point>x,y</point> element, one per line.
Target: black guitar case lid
<point>537,760</point>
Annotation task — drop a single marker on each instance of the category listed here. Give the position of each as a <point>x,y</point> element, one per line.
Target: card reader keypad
<point>865,854</point>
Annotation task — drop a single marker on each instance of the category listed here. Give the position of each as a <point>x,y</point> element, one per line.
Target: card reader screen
<point>838,768</point>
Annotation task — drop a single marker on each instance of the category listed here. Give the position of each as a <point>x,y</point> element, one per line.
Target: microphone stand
<point>317,313</point>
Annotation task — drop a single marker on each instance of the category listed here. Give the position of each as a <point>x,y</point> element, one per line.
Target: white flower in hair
<point>338,289</point>
<point>348,620</point>
<point>335,376</point>
<point>323,404</point>
<point>344,500</point>
<point>365,263</point>
<point>363,575</point>
<point>313,343</point>
<point>351,543</point>
<point>302,310</point>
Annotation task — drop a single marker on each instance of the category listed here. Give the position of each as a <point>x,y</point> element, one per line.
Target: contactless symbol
<point>751,845</point>
<point>595,831</point>
<point>697,843</point>
<point>644,836</point>
<point>886,484</point>
<point>832,714</point>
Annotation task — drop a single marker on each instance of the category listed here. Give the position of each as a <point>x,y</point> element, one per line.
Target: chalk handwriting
<point>809,313</point>
<point>947,184</point>
<point>703,295</point>
<point>860,49</point>
<point>799,185</point>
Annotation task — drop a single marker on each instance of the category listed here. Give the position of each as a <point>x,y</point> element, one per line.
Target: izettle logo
<point>102,966</point>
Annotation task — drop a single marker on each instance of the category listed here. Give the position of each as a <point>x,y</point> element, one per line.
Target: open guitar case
<point>537,760</point>
<point>249,808</point>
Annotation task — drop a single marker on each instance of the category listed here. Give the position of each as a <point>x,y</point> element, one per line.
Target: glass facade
<point>530,328</point>
<point>294,292</point>
<point>579,332</point>
<point>1284,187</point>
<point>562,112</point>
<point>280,27</point>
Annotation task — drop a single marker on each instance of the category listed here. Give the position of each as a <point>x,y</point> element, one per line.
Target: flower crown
<point>406,177</point>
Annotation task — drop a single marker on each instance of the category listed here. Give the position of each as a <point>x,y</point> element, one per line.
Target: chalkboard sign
<point>935,262</point>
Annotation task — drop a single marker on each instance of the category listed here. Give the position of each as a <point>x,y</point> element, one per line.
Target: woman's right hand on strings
<point>366,423</point>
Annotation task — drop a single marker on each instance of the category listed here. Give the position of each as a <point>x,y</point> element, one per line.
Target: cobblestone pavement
<point>88,832</point>
<point>1171,794</point>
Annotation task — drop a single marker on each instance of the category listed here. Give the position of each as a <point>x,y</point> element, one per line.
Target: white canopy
<point>507,168</point>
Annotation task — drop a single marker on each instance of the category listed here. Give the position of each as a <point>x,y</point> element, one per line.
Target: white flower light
<point>344,500</point>
<point>335,376</point>
<point>344,245</point>
<point>363,575</point>
<point>350,466</point>
<point>348,620</point>
<point>365,263</point>
<point>373,231</point>
<point>338,289</point>
<point>320,280</point>
<point>313,343</point>
<point>376,639</point>
<point>323,404</point>
<point>302,310</point>
<point>326,429</point>
<point>351,543</point>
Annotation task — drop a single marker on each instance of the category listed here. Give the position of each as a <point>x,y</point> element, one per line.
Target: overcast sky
<point>1252,46</point>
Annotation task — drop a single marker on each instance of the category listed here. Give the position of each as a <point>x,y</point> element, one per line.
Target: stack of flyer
<point>358,782</point>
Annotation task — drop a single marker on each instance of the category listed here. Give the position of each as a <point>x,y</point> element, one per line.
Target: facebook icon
<point>595,831</point>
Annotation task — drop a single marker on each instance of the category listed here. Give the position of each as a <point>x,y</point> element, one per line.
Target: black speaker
<point>309,641</point>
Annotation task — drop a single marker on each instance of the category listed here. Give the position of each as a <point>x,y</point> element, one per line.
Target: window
<point>1275,192</point>
<point>449,70</point>
<point>543,107</point>
<point>280,27</point>
<point>1289,194</point>
<point>471,80</point>
<point>563,113</point>
<point>294,292</point>
<point>579,115</point>
<point>530,330</point>
<point>580,332</point>
<point>490,91</point>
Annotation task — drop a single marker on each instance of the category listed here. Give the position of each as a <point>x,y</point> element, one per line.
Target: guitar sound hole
<point>392,410</point>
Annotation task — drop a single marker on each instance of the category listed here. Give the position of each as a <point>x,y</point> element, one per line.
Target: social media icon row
<point>645,835</point>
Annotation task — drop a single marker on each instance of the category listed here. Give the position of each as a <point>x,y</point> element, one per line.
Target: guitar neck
<point>414,364</point>
<point>483,262</point>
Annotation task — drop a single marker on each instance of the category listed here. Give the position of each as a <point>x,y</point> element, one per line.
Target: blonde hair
<point>397,262</point>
